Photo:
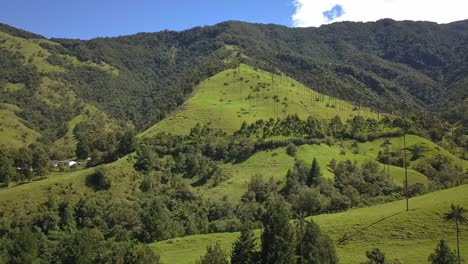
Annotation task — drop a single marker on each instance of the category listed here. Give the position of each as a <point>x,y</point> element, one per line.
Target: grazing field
<point>246,94</point>
<point>17,197</point>
<point>407,236</point>
<point>13,133</point>
<point>431,149</point>
<point>276,163</point>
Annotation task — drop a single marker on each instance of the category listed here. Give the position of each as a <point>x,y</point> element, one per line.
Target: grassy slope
<point>220,101</point>
<point>16,197</point>
<point>53,92</point>
<point>409,236</point>
<point>276,163</point>
<point>372,148</point>
<point>67,143</point>
<point>13,133</point>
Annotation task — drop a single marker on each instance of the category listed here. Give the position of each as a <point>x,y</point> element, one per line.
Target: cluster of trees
<point>104,226</point>
<point>282,242</point>
<point>354,185</point>
<point>101,143</point>
<point>48,119</point>
<point>442,171</point>
<point>23,164</point>
<point>196,156</point>
<point>357,127</point>
<point>28,245</point>
<point>153,77</point>
<point>14,70</point>
<point>200,155</point>
<point>291,126</point>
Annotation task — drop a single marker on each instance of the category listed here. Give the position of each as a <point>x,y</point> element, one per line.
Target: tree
<point>278,245</point>
<point>83,150</point>
<point>313,246</point>
<point>39,159</point>
<point>214,255</point>
<point>84,246</point>
<point>314,173</point>
<point>7,168</point>
<point>456,215</point>
<point>141,253</point>
<point>244,251</point>
<point>291,149</point>
<point>375,256</point>
<point>443,255</point>
<point>22,246</point>
<point>156,222</point>
<point>127,143</point>
<point>23,161</point>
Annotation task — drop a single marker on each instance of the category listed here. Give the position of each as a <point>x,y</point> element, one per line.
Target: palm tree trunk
<point>406,171</point>
<point>458,243</point>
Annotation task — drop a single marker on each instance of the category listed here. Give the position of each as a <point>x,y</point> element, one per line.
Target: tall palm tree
<point>456,215</point>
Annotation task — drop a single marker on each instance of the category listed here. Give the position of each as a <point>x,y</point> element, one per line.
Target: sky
<point>87,19</point>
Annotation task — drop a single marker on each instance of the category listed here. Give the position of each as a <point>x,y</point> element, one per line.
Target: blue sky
<point>91,18</point>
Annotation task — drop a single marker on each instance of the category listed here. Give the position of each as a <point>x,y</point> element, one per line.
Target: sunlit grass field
<point>247,94</point>
<point>408,236</point>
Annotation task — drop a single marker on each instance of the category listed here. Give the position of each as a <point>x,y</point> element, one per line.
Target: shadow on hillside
<point>345,238</point>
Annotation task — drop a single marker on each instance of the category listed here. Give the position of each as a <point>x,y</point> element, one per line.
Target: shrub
<point>291,150</point>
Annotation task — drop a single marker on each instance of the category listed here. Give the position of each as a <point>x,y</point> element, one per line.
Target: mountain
<point>387,65</point>
<point>111,144</point>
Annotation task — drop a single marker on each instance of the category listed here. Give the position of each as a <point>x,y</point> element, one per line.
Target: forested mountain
<point>387,65</point>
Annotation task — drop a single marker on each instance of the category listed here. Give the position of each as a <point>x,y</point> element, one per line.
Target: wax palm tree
<point>456,215</point>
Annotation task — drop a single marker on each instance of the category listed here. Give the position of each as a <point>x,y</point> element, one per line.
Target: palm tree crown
<point>456,214</point>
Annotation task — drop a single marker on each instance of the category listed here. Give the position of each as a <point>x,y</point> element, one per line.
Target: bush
<point>98,180</point>
<point>416,189</point>
<point>291,150</point>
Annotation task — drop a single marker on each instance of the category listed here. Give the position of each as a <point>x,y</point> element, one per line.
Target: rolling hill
<point>233,96</point>
<point>407,236</point>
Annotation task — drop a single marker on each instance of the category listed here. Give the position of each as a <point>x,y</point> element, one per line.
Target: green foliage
<point>314,246</point>
<point>278,243</point>
<point>156,222</point>
<point>214,255</point>
<point>100,180</point>
<point>244,249</point>
<point>291,149</point>
<point>102,143</point>
<point>314,174</point>
<point>443,254</point>
<point>7,168</point>
<point>22,245</point>
<point>356,229</point>
<point>375,256</point>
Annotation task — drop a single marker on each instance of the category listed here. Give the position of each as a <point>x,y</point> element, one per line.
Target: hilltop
<point>247,94</point>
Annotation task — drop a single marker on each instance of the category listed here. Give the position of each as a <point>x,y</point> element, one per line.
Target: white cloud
<point>310,12</point>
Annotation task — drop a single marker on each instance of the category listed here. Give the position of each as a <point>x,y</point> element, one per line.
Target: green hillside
<point>233,96</point>
<point>276,163</point>
<point>407,236</point>
<point>37,99</point>
<point>13,132</point>
<point>128,108</point>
